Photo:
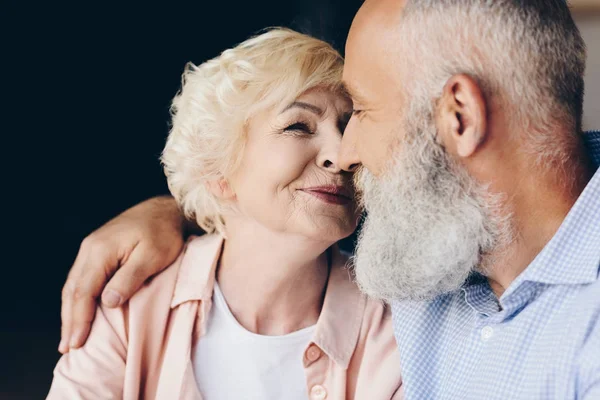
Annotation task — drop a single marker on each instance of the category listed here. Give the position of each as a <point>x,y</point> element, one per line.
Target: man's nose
<point>348,159</point>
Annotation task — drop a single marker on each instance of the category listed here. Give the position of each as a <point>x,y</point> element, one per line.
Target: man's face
<point>428,221</point>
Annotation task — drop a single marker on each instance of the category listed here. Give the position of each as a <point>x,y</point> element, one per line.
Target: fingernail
<point>62,346</point>
<point>111,298</point>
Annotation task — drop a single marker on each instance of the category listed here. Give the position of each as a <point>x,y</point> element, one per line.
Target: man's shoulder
<point>585,302</point>
<point>592,290</point>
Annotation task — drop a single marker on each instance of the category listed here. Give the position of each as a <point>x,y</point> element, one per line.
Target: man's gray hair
<point>527,55</point>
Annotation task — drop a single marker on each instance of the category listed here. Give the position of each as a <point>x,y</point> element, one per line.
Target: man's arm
<point>115,260</point>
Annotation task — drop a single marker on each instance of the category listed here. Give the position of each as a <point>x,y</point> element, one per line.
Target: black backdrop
<point>85,93</point>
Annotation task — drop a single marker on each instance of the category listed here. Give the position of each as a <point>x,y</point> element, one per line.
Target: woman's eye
<point>298,127</point>
<point>356,112</point>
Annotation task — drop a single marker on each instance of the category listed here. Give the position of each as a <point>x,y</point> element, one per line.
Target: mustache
<point>358,176</point>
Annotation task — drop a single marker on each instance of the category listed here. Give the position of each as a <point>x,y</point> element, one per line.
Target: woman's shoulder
<point>152,300</point>
<point>159,289</point>
<point>188,277</point>
<point>120,339</point>
<point>158,300</point>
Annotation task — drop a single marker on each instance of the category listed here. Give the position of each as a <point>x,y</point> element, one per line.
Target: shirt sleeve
<point>96,370</point>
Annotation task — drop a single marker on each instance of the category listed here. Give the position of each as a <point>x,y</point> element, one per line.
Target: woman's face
<point>289,179</point>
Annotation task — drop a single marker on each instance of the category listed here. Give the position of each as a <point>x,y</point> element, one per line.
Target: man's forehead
<point>374,28</point>
<point>371,46</point>
<point>375,14</point>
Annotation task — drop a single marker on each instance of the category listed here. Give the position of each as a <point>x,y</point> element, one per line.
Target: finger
<point>84,309</point>
<point>83,304</point>
<point>87,288</point>
<point>66,320</point>
<point>66,308</point>
<point>128,279</point>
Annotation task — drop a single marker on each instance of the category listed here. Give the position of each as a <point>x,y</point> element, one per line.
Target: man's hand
<point>116,260</point>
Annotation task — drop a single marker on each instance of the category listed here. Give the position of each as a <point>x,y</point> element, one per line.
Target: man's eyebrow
<point>306,106</point>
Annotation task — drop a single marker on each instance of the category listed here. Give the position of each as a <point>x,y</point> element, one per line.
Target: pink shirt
<point>143,349</point>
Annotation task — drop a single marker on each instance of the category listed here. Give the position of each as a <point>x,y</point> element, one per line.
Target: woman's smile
<point>330,194</point>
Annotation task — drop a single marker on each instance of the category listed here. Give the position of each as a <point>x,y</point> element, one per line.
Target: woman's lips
<point>330,194</point>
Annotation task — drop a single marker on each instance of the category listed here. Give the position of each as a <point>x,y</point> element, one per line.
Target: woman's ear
<point>220,188</point>
<point>462,116</point>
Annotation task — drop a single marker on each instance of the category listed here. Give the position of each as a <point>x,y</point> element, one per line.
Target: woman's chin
<point>331,230</point>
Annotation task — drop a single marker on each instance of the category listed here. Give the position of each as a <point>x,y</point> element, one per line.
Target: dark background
<point>86,88</point>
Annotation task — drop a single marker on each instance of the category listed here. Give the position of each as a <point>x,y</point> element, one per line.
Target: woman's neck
<point>274,283</point>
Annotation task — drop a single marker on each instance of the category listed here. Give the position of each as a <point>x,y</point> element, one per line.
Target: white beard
<point>428,223</point>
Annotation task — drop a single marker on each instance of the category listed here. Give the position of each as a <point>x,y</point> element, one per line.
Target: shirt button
<point>487,333</point>
<point>313,353</point>
<point>318,392</point>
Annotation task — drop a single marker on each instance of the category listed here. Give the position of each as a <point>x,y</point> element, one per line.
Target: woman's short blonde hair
<point>216,101</point>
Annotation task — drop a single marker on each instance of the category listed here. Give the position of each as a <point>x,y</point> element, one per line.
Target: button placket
<point>316,364</point>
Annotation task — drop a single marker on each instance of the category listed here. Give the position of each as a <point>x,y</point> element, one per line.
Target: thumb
<point>130,277</point>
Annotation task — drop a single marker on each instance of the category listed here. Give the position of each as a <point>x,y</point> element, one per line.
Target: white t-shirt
<point>231,362</point>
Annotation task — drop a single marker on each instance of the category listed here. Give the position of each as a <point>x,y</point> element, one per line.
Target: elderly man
<point>482,200</point>
<point>483,207</point>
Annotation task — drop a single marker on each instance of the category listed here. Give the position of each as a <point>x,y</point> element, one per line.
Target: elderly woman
<point>262,307</point>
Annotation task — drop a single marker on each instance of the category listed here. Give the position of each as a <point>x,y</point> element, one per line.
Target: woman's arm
<point>115,260</point>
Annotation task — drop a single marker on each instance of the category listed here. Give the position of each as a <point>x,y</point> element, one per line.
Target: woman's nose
<point>330,155</point>
<point>329,162</point>
<point>329,152</point>
<point>333,163</point>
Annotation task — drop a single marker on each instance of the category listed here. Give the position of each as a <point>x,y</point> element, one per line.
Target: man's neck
<point>273,282</point>
<point>539,202</point>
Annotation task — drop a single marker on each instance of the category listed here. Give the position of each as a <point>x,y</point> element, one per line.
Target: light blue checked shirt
<point>542,343</point>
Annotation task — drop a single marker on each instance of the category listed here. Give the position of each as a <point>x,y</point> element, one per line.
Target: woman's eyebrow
<point>305,106</point>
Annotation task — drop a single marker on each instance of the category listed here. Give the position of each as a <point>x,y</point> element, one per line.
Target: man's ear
<point>462,116</point>
<point>220,188</point>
